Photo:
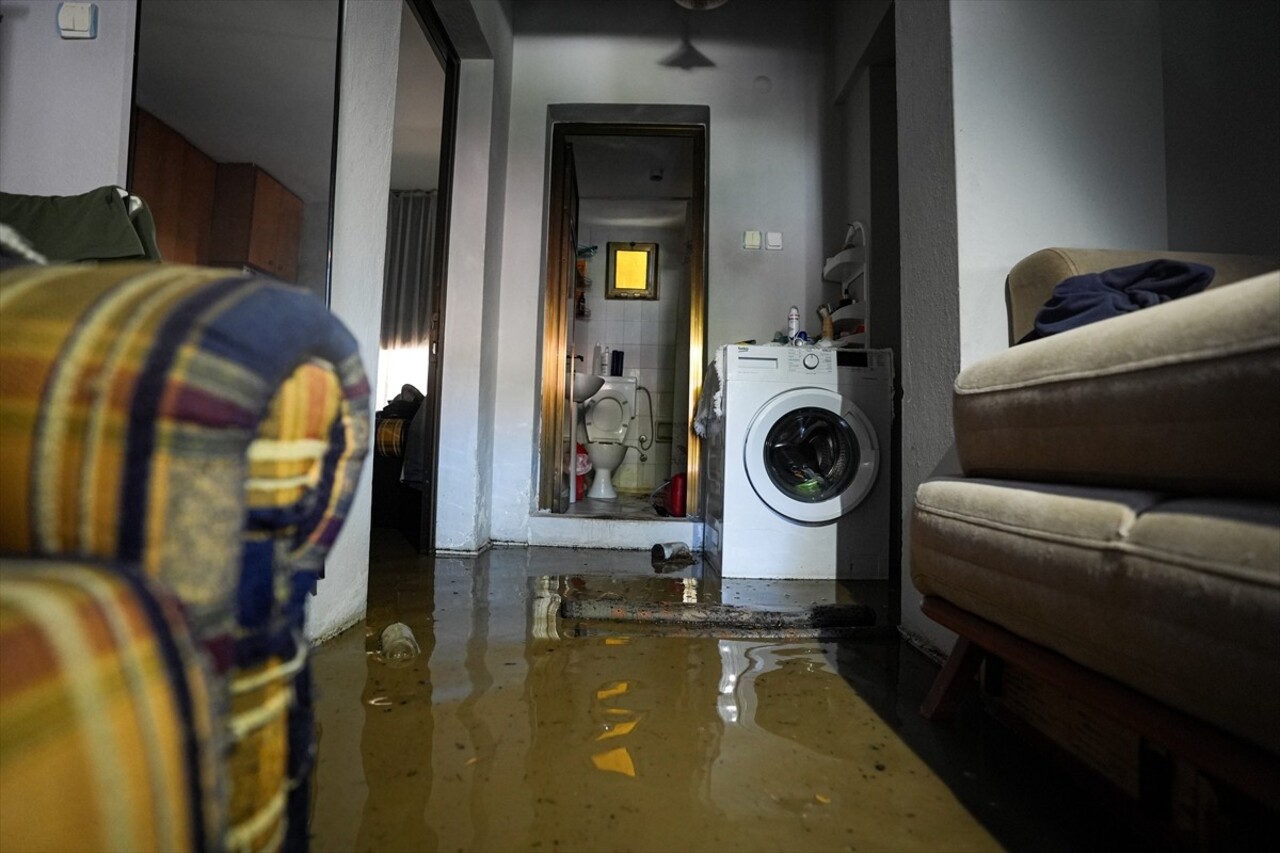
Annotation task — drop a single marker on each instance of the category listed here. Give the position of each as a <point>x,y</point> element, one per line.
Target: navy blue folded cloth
<point>1088,298</point>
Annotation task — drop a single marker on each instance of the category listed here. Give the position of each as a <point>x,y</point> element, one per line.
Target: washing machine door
<point>811,455</point>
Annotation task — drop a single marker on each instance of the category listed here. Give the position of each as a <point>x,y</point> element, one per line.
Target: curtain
<point>406,290</point>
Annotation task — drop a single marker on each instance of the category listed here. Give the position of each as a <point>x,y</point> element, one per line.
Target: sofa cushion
<point>1183,396</point>
<point>1178,599</point>
<point>1032,279</point>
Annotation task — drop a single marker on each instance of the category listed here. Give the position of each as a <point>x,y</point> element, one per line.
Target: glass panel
<point>811,454</point>
<point>633,270</point>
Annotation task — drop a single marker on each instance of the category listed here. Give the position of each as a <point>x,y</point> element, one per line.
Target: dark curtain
<point>406,291</point>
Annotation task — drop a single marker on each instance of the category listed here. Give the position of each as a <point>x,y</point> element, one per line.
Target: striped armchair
<point>178,450</point>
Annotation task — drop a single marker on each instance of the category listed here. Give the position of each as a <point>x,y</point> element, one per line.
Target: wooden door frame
<point>563,121</point>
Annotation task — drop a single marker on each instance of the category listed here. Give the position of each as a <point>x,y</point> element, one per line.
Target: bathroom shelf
<point>848,268</point>
<point>845,265</point>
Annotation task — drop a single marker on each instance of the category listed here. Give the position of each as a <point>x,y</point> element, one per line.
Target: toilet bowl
<point>607,417</point>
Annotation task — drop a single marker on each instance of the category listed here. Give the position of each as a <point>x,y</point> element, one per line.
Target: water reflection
<point>396,739</point>
<point>506,735</point>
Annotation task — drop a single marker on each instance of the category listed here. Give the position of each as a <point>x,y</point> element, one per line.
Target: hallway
<point>503,735</point>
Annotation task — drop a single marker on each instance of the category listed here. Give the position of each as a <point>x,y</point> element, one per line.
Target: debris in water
<point>399,647</point>
<point>670,556</point>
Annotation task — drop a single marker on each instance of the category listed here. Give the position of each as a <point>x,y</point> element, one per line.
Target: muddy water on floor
<point>502,736</point>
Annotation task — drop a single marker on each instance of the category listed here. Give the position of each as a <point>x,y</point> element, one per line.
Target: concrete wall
<point>764,94</point>
<point>64,103</point>
<point>1059,129</point>
<point>1222,125</point>
<point>367,97</point>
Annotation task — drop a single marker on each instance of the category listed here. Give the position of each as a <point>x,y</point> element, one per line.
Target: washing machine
<point>798,464</point>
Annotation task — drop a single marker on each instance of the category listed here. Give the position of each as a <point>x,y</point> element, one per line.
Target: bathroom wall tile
<point>631,331</point>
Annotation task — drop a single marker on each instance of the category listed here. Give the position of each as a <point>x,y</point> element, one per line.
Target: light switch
<point>78,20</point>
<point>751,239</point>
<point>773,240</point>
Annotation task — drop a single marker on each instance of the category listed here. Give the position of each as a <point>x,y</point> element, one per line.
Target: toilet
<point>606,421</point>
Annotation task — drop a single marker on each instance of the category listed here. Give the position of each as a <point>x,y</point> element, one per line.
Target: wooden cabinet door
<point>257,222</point>
<point>177,181</point>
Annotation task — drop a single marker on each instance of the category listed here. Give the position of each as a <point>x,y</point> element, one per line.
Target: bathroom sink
<point>585,385</point>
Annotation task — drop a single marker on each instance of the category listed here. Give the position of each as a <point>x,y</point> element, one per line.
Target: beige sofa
<point>1111,557</point>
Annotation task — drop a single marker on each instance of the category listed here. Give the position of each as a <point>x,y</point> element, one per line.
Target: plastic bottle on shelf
<point>793,322</point>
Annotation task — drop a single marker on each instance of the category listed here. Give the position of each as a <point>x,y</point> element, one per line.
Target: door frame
<point>563,121</point>
<point>445,51</point>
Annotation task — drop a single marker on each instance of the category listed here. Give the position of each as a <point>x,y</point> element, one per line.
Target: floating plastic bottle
<point>399,646</point>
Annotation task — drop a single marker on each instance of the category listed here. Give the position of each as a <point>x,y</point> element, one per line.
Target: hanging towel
<point>1084,299</point>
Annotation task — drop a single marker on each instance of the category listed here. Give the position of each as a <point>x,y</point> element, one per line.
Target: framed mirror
<point>234,133</point>
<point>632,271</point>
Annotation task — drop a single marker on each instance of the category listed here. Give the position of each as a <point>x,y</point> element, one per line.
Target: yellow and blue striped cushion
<point>107,735</point>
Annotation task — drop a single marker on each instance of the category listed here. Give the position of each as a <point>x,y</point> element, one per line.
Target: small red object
<point>675,496</point>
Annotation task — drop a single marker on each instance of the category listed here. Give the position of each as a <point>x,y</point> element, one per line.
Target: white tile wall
<point>647,332</point>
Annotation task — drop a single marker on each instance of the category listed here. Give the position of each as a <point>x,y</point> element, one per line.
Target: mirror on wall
<point>235,104</point>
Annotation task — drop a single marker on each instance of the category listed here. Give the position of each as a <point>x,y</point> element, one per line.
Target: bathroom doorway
<point>623,175</point>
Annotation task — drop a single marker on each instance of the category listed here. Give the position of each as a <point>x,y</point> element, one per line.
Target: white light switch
<point>751,239</point>
<point>78,20</point>
<point>773,240</point>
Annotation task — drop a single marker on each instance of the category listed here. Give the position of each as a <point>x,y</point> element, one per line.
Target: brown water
<point>503,735</point>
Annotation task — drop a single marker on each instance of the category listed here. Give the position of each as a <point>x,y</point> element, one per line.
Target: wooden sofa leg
<point>956,675</point>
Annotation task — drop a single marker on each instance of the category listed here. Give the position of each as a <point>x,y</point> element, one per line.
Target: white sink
<point>585,385</point>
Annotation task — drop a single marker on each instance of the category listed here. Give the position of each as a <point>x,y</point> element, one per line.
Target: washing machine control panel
<point>770,363</point>
<point>811,362</point>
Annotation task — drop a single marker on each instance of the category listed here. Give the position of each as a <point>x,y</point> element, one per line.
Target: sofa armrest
<point>204,429</point>
<point>1032,280</point>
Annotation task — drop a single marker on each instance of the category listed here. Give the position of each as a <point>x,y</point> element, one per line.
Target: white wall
<point>764,174</point>
<point>64,103</point>
<point>930,353</point>
<point>462,465</point>
<point>1222,124</point>
<point>1059,129</point>
<point>1021,125</point>
<point>496,25</point>
<point>366,105</point>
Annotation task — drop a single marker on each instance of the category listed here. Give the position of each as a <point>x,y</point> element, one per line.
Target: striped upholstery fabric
<point>389,436</point>
<point>208,428</point>
<point>107,739</point>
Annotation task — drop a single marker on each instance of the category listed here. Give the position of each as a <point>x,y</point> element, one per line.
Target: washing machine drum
<point>607,420</point>
<point>811,455</point>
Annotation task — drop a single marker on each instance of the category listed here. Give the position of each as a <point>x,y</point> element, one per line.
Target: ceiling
<point>253,80</point>
<point>615,179</point>
<point>246,81</point>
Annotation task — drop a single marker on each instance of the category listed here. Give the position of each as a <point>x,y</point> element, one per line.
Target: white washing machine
<point>797,467</point>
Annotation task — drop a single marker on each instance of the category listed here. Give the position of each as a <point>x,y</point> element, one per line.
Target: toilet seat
<point>607,419</point>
